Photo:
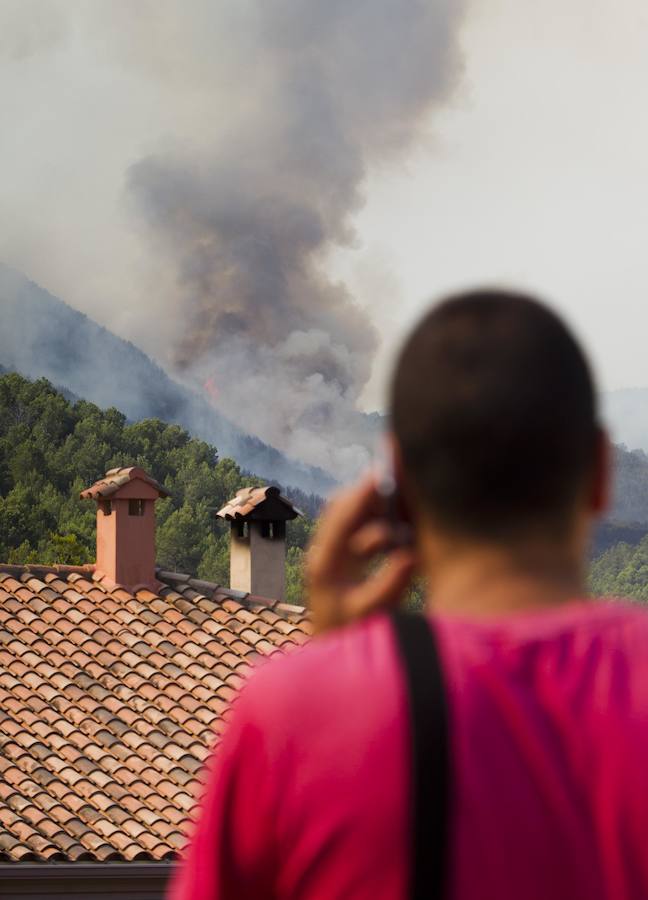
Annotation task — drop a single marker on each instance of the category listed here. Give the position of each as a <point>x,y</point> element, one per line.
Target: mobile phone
<point>387,489</point>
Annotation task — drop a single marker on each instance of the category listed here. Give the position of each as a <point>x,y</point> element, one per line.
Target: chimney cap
<point>115,479</point>
<point>262,503</point>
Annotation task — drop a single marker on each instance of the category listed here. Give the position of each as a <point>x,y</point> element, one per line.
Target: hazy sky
<point>537,176</point>
<point>535,173</point>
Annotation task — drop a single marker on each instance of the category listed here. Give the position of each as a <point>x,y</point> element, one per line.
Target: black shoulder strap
<point>430,754</point>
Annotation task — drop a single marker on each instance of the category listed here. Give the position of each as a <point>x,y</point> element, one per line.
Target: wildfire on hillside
<point>211,389</point>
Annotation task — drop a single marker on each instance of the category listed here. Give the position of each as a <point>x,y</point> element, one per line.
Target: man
<point>503,469</point>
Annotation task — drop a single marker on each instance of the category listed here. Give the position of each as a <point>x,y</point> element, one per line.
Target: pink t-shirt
<point>549,743</point>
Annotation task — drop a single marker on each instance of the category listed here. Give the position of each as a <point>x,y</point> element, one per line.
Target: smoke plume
<point>244,211</point>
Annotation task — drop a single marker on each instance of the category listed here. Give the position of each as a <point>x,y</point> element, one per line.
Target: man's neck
<point>483,581</point>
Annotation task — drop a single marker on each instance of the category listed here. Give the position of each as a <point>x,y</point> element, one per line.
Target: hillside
<point>50,449</point>
<point>41,336</point>
<point>621,571</point>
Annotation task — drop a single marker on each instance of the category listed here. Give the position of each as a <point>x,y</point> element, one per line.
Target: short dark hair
<point>494,409</point>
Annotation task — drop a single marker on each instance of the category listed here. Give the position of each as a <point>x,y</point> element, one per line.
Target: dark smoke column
<point>318,91</point>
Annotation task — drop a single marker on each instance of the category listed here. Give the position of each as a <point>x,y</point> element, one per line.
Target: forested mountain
<point>43,337</point>
<point>50,449</point>
<point>621,571</point>
<point>620,559</point>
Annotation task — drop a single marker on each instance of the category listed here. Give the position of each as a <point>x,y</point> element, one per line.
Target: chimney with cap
<point>258,517</point>
<point>125,500</point>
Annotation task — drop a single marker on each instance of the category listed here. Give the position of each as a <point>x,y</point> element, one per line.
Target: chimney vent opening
<point>136,507</point>
<point>242,529</point>
<point>273,531</point>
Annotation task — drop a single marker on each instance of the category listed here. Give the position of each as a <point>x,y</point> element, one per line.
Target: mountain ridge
<point>42,336</point>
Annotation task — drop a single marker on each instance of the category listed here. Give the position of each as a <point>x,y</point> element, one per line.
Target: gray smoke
<point>307,96</point>
<point>184,170</point>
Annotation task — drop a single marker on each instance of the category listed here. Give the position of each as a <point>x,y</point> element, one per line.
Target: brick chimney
<point>258,517</point>
<point>126,526</point>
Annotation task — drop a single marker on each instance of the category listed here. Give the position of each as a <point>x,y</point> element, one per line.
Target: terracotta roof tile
<point>109,704</point>
<point>115,479</point>
<point>247,500</point>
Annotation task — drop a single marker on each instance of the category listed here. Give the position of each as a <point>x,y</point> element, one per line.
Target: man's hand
<point>350,533</point>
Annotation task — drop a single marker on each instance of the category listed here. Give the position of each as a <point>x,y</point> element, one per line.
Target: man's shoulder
<point>615,621</point>
<point>332,670</point>
<point>608,625</point>
<point>590,645</point>
<point>623,626</point>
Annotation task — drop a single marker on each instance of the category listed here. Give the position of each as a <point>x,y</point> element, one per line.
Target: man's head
<point>494,415</point>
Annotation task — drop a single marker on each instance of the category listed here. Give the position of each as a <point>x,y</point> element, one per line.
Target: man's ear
<point>403,488</point>
<point>601,489</point>
<point>396,459</point>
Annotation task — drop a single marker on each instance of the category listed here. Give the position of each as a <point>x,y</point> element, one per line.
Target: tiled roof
<point>248,499</point>
<point>115,479</point>
<point>109,703</point>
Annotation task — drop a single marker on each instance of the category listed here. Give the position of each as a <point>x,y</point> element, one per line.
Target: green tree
<point>182,538</point>
<point>64,548</point>
<point>51,449</point>
<point>295,592</point>
<point>214,565</point>
<point>621,571</point>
